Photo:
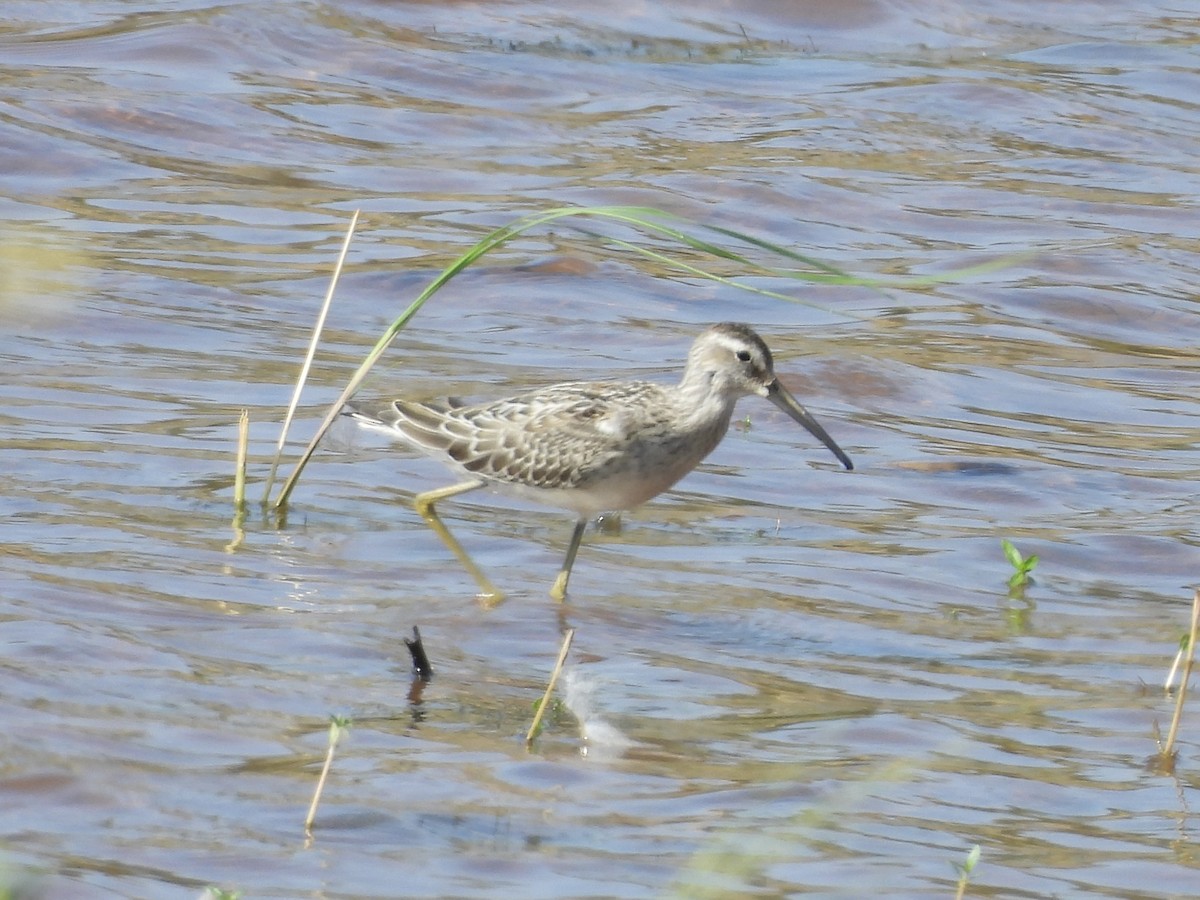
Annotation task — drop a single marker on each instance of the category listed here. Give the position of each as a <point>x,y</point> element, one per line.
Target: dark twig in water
<point>420,661</point>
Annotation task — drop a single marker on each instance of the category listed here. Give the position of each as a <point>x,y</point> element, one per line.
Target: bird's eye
<point>743,355</point>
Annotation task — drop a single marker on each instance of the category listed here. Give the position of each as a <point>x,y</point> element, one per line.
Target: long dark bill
<point>779,395</point>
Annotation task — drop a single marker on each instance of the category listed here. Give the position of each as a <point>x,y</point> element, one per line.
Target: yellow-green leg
<point>425,503</point>
<point>559,591</point>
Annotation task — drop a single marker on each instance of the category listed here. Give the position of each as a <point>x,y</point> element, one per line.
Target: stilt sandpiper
<point>591,447</point>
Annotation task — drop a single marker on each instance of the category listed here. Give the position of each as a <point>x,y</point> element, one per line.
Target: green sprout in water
<point>967,867</point>
<point>556,709</point>
<point>1023,565</point>
<point>337,726</point>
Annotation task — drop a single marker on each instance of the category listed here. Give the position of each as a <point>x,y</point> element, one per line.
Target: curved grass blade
<point>644,218</point>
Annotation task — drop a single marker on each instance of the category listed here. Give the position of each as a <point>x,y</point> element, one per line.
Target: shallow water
<point>785,679</point>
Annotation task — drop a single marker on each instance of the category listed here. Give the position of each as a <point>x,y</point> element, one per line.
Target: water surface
<point>791,679</point>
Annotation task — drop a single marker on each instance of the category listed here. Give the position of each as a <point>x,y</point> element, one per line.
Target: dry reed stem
<point>239,475</point>
<point>558,666</point>
<point>1169,745</point>
<point>335,733</point>
<point>239,482</point>
<point>312,352</point>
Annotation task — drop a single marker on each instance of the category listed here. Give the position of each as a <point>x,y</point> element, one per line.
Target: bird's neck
<point>703,405</point>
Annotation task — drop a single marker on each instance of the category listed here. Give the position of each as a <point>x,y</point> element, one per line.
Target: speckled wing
<point>556,438</point>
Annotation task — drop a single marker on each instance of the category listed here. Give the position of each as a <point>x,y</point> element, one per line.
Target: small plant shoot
<point>1023,566</point>
<point>964,871</point>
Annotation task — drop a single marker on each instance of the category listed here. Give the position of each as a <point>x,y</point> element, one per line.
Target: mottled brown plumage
<point>592,447</point>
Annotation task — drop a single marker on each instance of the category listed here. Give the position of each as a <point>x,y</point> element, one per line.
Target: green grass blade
<point>644,219</point>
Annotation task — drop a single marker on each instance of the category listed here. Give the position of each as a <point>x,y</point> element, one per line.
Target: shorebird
<point>591,447</point>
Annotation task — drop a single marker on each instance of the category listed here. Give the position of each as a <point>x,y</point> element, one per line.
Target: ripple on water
<point>793,679</point>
